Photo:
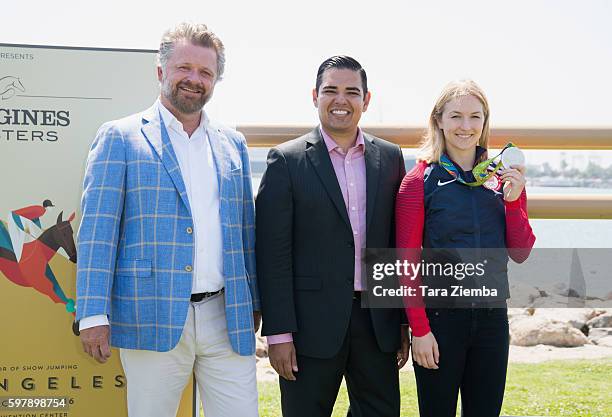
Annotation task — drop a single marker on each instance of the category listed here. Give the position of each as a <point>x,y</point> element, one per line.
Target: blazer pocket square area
<point>133,267</point>
<point>235,168</point>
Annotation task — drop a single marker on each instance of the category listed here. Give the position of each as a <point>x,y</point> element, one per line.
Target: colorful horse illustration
<point>33,269</point>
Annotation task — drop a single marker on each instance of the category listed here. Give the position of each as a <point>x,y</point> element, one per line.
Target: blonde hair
<point>197,34</point>
<point>432,146</point>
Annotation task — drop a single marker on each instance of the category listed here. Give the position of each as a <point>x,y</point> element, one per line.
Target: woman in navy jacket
<point>439,206</point>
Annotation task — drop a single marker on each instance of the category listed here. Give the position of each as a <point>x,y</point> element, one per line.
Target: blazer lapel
<point>372,163</point>
<point>218,146</point>
<point>319,157</point>
<point>156,134</point>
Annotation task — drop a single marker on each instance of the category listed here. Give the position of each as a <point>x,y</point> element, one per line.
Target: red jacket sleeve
<point>409,222</point>
<point>519,235</point>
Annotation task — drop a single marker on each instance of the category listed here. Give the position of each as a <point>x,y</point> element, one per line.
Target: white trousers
<point>226,380</point>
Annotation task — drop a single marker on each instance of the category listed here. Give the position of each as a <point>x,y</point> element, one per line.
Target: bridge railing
<point>543,206</point>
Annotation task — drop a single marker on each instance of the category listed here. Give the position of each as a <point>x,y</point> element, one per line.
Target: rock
<point>599,304</point>
<point>531,331</point>
<point>559,288</point>
<point>576,317</point>
<point>261,347</point>
<point>597,334</point>
<point>522,295</point>
<point>552,301</point>
<point>603,320</point>
<point>514,313</point>
<point>605,341</point>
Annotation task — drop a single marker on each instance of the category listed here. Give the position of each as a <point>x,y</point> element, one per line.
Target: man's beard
<point>182,104</point>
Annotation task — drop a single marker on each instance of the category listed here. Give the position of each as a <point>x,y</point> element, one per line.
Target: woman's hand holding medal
<point>514,181</point>
<point>512,173</point>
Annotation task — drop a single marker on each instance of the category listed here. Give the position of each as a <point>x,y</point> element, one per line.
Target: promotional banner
<point>52,101</point>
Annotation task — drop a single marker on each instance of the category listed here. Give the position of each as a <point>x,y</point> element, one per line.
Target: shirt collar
<point>479,151</point>
<point>331,144</point>
<point>172,122</point>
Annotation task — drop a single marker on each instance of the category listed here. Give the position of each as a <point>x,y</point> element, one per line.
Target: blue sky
<point>542,63</point>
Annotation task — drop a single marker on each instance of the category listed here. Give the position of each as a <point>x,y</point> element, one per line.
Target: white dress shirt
<point>198,170</point>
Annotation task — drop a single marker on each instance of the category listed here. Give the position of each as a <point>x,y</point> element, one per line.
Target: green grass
<point>559,388</point>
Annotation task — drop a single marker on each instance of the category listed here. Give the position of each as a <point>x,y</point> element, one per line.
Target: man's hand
<point>404,350</point>
<point>283,359</point>
<point>256,320</point>
<point>95,342</point>
<point>425,351</point>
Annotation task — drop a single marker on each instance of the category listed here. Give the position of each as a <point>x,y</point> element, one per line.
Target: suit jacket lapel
<point>372,163</point>
<point>218,146</point>
<point>319,157</point>
<point>156,134</point>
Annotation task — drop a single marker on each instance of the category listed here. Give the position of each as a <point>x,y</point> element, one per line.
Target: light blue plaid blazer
<point>134,249</point>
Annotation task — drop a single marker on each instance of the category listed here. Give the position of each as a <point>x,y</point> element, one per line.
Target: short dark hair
<point>342,62</point>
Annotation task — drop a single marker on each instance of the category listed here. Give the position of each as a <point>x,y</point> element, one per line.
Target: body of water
<point>552,233</point>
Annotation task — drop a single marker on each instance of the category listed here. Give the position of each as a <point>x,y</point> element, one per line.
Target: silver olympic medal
<point>512,156</point>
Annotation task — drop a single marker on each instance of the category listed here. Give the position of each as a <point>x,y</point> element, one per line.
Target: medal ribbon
<point>482,172</point>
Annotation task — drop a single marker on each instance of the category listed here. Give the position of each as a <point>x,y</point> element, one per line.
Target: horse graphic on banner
<point>32,268</point>
<point>9,86</point>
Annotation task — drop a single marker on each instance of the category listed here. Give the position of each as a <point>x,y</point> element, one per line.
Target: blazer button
<point>188,268</point>
<point>189,230</point>
<point>350,244</point>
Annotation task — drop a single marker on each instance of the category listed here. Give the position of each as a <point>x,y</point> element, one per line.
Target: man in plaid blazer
<point>166,243</point>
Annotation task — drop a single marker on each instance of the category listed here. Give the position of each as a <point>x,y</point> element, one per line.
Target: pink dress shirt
<point>351,175</point>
